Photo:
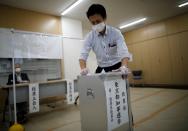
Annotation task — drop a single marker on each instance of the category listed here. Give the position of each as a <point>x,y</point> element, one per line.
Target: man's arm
<point>10,79</point>
<point>85,52</point>
<point>25,77</point>
<point>124,62</point>
<point>122,49</point>
<point>84,70</point>
<point>123,53</point>
<point>82,64</point>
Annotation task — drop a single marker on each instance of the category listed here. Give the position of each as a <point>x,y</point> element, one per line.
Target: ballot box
<point>104,103</point>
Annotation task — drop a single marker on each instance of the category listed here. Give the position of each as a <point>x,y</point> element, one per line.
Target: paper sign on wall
<point>70,92</point>
<point>33,98</point>
<point>117,106</point>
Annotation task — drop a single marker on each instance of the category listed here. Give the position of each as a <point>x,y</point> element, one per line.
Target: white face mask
<point>18,70</point>
<point>99,27</point>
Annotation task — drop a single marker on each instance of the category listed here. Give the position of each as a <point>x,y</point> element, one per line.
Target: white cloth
<point>84,71</point>
<point>109,49</point>
<point>19,78</point>
<point>123,69</point>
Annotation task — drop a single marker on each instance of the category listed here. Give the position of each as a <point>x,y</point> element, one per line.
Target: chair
<point>3,103</point>
<point>76,100</point>
<point>137,77</point>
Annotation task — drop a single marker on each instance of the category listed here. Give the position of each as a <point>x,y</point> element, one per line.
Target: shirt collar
<point>106,32</point>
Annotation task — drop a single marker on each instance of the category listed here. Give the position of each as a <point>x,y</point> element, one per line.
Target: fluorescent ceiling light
<point>182,5</point>
<point>132,23</point>
<point>71,7</point>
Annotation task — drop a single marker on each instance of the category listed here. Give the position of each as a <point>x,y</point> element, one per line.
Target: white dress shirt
<point>19,78</point>
<point>109,48</point>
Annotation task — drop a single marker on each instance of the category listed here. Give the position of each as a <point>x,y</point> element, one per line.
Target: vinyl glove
<point>84,71</point>
<point>123,69</point>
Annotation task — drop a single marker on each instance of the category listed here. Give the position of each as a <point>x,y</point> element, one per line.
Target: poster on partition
<point>70,92</point>
<point>34,98</point>
<point>117,105</point>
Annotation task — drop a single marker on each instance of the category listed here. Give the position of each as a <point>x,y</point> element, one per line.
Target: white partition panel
<point>71,49</point>
<point>37,46</point>
<point>71,28</point>
<point>54,46</point>
<point>5,43</point>
<point>21,44</point>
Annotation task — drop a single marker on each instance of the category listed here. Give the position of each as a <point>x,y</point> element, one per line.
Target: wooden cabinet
<point>129,37</point>
<point>163,60</point>
<point>153,58</point>
<point>156,30</point>
<point>137,63</point>
<point>160,50</point>
<point>138,56</point>
<point>157,67</point>
<point>136,36</point>
<point>160,61</point>
<point>176,59</point>
<point>177,24</point>
<point>141,60</point>
<point>184,53</point>
<point>132,63</point>
<point>146,61</point>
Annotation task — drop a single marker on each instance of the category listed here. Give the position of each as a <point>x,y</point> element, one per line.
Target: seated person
<point>19,77</point>
<point>22,108</point>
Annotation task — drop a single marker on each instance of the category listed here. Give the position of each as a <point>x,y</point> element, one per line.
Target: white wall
<point>71,51</point>
<point>72,45</point>
<point>85,32</point>
<point>92,62</point>
<point>72,28</point>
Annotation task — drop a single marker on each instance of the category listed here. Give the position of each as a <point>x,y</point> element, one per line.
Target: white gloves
<point>123,69</point>
<point>84,71</point>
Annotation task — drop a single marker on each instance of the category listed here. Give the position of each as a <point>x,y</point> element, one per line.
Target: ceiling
<point>118,11</point>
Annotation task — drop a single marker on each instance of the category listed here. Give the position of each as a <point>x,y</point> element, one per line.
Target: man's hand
<point>25,81</point>
<point>123,69</point>
<point>84,71</point>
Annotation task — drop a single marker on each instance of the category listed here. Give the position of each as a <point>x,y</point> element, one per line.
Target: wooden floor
<point>154,109</point>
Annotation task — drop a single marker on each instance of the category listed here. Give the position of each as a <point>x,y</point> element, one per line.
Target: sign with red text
<point>117,105</point>
<point>34,98</point>
<point>70,92</point>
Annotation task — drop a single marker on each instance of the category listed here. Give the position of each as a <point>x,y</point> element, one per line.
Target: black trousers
<point>108,69</point>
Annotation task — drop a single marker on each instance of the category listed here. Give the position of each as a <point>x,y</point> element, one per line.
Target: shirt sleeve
<point>121,46</point>
<point>86,48</point>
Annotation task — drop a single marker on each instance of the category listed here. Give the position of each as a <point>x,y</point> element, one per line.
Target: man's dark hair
<point>96,9</point>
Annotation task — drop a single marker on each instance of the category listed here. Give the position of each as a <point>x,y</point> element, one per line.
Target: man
<point>22,108</point>
<point>107,43</point>
<point>19,77</point>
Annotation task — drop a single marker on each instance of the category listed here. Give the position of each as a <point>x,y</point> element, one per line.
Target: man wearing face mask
<point>19,77</point>
<point>22,108</point>
<point>107,43</point>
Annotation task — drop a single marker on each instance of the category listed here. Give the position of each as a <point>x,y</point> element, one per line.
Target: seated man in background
<point>22,108</point>
<point>19,77</point>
